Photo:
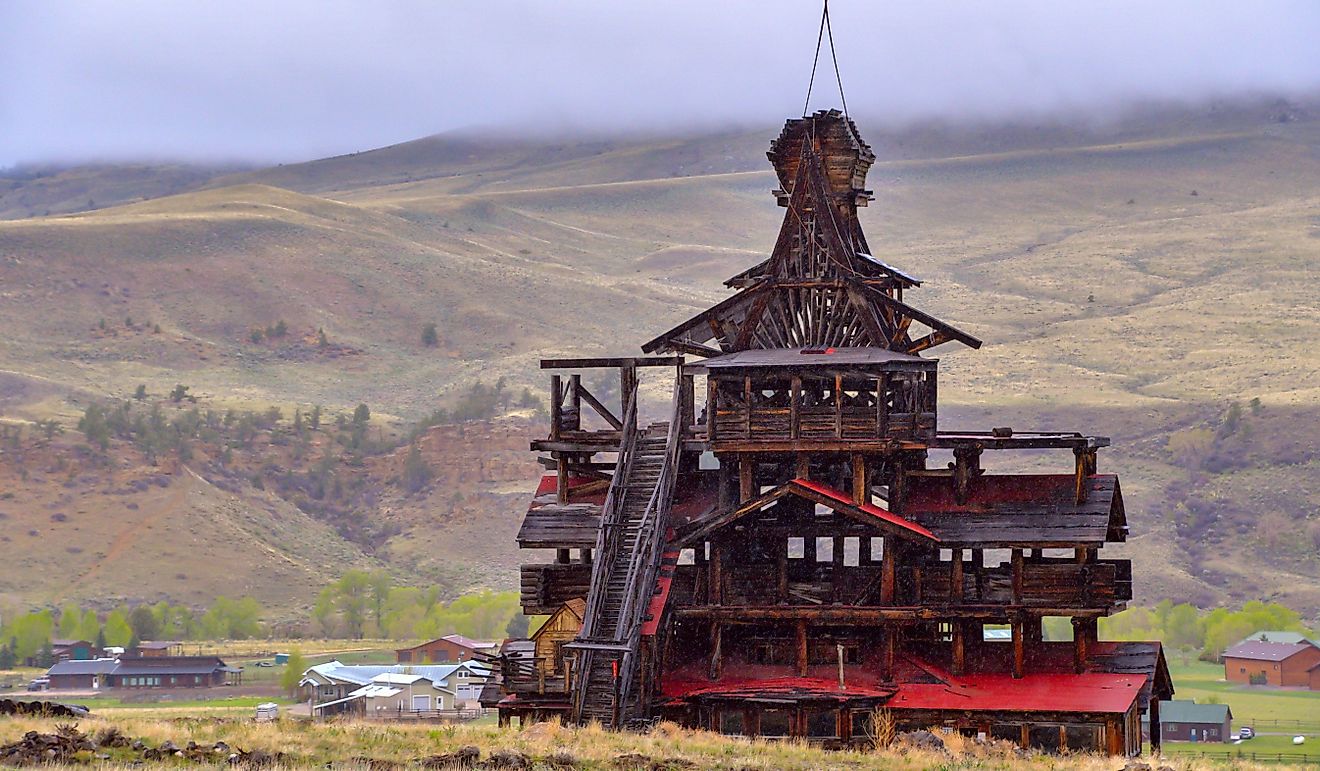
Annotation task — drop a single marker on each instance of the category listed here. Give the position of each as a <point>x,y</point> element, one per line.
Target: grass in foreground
<point>376,745</point>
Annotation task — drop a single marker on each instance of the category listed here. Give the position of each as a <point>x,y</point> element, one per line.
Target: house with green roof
<point>1186,721</point>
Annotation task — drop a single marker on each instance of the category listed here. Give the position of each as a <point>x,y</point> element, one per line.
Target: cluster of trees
<point>270,332</point>
<point>29,635</point>
<point>1208,632</point>
<point>480,402</point>
<point>368,604</point>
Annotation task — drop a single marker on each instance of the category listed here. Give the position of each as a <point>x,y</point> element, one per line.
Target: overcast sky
<point>281,80</point>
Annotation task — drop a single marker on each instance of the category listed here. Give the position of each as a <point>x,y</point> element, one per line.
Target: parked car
<point>39,684</point>
<point>264,664</point>
<point>1246,732</point>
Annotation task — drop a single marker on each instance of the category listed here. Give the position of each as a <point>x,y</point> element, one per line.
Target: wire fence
<point>1279,724</point>
<point>1297,758</point>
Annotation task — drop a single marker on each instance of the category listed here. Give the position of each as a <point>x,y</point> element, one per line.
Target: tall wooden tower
<point>781,555</point>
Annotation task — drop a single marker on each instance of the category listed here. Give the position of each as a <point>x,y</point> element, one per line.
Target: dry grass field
<point>1131,280</point>
<point>376,746</point>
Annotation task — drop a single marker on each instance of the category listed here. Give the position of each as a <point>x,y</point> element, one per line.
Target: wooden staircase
<point>623,577</point>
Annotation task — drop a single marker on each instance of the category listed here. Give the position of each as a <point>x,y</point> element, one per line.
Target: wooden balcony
<point>921,591</point>
<point>816,409</point>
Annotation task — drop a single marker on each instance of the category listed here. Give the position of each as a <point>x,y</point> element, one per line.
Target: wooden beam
<point>859,490</point>
<point>959,649</point>
<point>746,479</point>
<point>1017,576</point>
<point>716,573</point>
<point>1019,648</point>
<point>600,409</point>
<point>890,652</point>
<point>556,408</point>
<point>615,361</point>
<point>801,647</point>
<point>716,652</point>
<point>887,572</point>
<point>956,576</point>
<point>795,400</point>
<point>561,479</point>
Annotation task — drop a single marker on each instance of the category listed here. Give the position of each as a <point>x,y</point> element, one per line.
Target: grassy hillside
<point>1130,281</point>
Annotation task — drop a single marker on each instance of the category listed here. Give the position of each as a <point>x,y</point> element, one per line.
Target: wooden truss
<point>819,288</point>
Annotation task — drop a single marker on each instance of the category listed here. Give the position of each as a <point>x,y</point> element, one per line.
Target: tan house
<point>390,694</point>
<point>562,626</point>
<point>336,688</point>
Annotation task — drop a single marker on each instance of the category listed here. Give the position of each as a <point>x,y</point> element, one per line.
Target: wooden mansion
<point>798,546</point>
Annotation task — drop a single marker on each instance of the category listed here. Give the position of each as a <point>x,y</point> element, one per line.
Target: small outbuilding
<point>1187,721</point>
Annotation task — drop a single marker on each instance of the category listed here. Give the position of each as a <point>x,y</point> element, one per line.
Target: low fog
<point>298,79</point>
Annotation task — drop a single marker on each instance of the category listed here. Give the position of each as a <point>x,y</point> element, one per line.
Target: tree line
<point>1185,627</point>
<point>28,636</point>
<point>369,604</point>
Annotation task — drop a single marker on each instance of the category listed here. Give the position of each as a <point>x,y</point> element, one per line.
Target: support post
<point>716,573</point>
<point>959,648</point>
<point>1156,729</point>
<point>956,577</point>
<point>746,478</point>
<point>890,651</point>
<point>794,406</point>
<point>1017,576</point>
<point>887,573</point>
<point>859,492</point>
<point>556,411</point>
<point>716,654</point>
<point>801,648</point>
<point>561,478</point>
<point>1019,648</point>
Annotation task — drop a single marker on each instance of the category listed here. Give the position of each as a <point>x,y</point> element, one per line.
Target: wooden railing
<point>1061,584</point>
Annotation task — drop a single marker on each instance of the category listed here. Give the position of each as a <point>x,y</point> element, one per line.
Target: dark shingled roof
<point>92,667</point>
<point>171,665</point>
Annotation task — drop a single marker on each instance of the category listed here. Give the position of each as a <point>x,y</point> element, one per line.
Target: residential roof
<point>171,665</point>
<point>157,645</point>
<point>90,667</point>
<point>1186,711</point>
<point>468,642</point>
<point>69,643</point>
<point>1266,651</point>
<point>364,674</point>
<point>1276,636</point>
<point>396,678</point>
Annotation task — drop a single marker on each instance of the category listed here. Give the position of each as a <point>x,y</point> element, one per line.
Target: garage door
<point>468,692</point>
<point>421,703</point>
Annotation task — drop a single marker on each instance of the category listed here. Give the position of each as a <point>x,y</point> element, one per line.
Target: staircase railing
<point>644,565</point>
<point>607,546</point>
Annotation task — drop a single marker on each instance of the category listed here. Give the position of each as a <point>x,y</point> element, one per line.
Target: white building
<point>337,688</point>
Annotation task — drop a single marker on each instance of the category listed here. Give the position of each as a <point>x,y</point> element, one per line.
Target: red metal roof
<point>1088,692</point>
<point>549,484</point>
<point>869,508</point>
<point>661,596</point>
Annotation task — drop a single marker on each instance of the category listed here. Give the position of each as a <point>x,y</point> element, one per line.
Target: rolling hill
<point>1133,279</point>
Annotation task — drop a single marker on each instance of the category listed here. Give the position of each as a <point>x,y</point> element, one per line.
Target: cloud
<point>299,79</point>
